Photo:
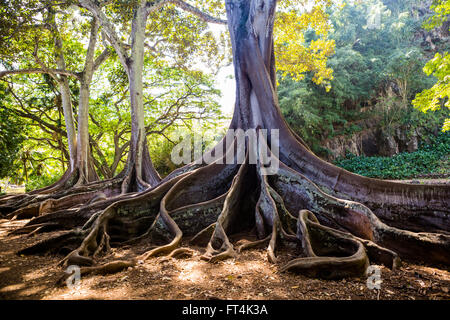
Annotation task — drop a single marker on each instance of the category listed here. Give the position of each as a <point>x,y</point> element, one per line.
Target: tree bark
<point>65,96</point>
<point>138,156</point>
<point>84,158</point>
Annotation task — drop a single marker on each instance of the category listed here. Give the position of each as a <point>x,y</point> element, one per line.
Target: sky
<point>227,86</point>
<point>225,81</point>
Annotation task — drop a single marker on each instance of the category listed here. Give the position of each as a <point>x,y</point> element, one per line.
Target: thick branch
<point>101,58</point>
<point>186,7</point>
<point>108,28</point>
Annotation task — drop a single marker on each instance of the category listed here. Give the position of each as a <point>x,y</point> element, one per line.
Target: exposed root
<point>331,246</point>
<point>413,207</point>
<point>380,255</point>
<point>108,268</point>
<point>181,253</point>
<point>104,243</point>
<point>85,215</point>
<point>73,197</point>
<point>89,244</point>
<point>246,245</point>
<point>357,219</point>
<point>96,230</point>
<point>58,243</point>
<point>72,192</point>
<point>74,258</point>
<point>168,248</point>
<point>219,246</point>
<point>203,236</point>
<point>9,202</point>
<point>33,228</point>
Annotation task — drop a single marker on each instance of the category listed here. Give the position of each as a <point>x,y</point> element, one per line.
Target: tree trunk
<point>81,170</point>
<point>68,117</point>
<point>139,165</point>
<point>256,87</point>
<point>139,173</point>
<point>64,89</point>
<point>84,159</point>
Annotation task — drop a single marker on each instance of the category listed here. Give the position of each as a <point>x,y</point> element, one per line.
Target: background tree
<point>81,168</point>
<point>161,33</point>
<point>139,173</point>
<point>24,45</point>
<point>174,99</point>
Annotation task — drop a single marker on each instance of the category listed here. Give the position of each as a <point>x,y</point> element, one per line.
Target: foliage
<point>376,72</point>
<point>431,158</point>
<point>11,135</point>
<point>174,99</point>
<point>161,147</point>
<point>37,182</point>
<point>43,153</point>
<point>439,95</point>
<point>441,9</point>
<point>295,55</point>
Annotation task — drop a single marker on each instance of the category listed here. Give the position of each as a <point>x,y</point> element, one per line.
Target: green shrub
<point>37,182</point>
<point>431,158</point>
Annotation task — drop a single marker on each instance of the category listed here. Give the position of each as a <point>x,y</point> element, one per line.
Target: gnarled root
<point>357,219</point>
<point>338,255</point>
<point>74,192</point>
<point>72,198</point>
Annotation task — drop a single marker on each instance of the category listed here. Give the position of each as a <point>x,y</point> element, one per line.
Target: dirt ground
<point>249,276</point>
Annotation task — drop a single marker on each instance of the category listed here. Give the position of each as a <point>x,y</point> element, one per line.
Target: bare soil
<point>249,276</point>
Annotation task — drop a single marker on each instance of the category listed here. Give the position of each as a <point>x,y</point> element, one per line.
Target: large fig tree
<point>340,221</point>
